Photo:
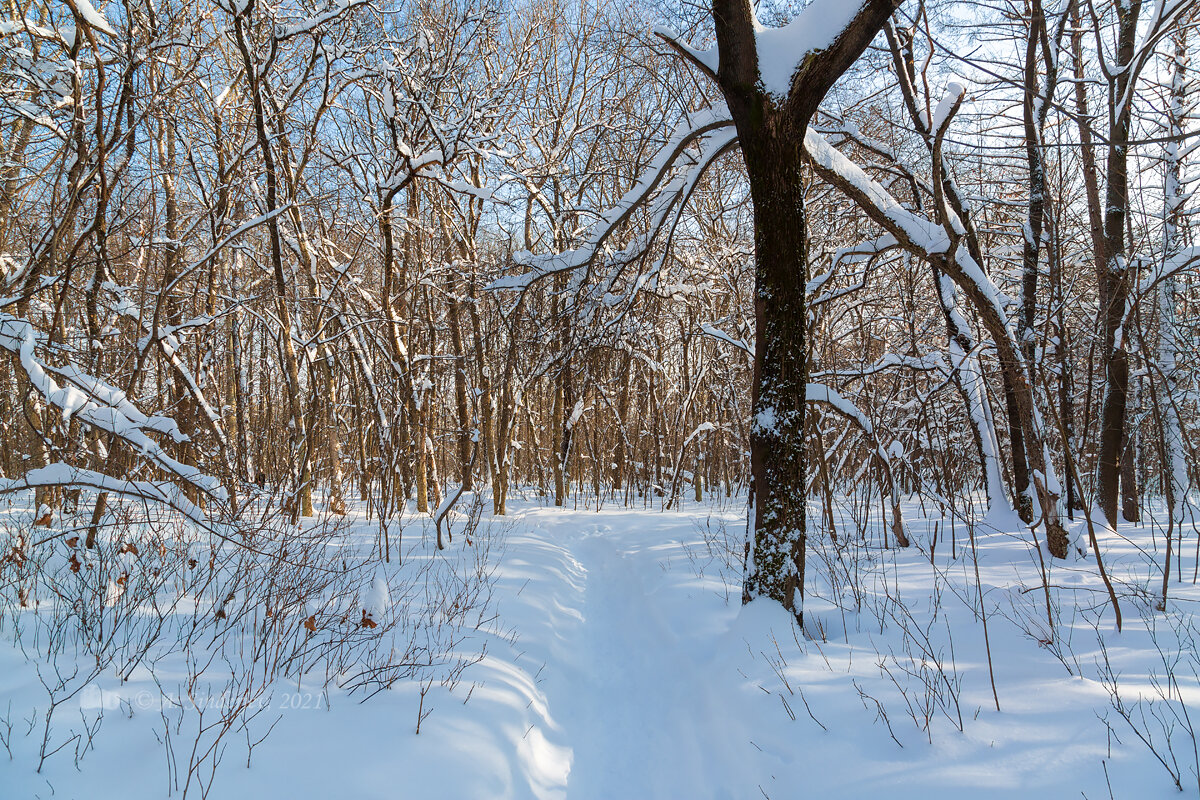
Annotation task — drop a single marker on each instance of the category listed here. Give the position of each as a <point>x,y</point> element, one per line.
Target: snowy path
<point>641,712</point>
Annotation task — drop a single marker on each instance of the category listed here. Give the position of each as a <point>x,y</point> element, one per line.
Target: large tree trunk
<point>771,130</point>
<point>777,452</point>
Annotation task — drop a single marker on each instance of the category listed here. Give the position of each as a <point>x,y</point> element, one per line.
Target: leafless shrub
<point>220,618</point>
<point>1161,718</point>
<point>722,550</point>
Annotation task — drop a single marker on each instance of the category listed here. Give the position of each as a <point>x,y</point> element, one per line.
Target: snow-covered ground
<point>617,662</point>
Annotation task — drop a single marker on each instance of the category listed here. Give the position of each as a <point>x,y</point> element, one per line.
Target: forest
<point>565,399</point>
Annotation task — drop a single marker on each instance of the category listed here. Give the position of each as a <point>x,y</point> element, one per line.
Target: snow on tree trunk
<point>1174,450</point>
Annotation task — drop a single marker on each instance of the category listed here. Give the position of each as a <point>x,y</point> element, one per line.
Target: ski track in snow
<point>641,711</point>
<point>633,697</point>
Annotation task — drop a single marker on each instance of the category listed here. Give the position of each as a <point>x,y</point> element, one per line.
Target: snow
<point>945,108</point>
<point>94,18</point>
<point>378,599</point>
<point>711,126</point>
<point>65,475</point>
<point>703,427</point>
<point>97,404</point>
<point>766,421</point>
<point>334,10</point>
<point>921,233</point>
<point>708,58</point>
<point>715,332</point>
<point>782,50</point>
<point>818,393</point>
<point>622,664</point>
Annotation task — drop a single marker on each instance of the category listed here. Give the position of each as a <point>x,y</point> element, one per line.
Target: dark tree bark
<point>1087,148</point>
<point>771,131</point>
<point>1130,493</point>
<point>461,402</point>
<point>1113,271</point>
<point>1040,60</point>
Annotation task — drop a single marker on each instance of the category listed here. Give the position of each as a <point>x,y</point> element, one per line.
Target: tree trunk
<point>1174,448</point>
<point>1114,273</point>
<point>466,434</point>
<point>771,131</point>
<point>777,449</point>
<point>302,503</point>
